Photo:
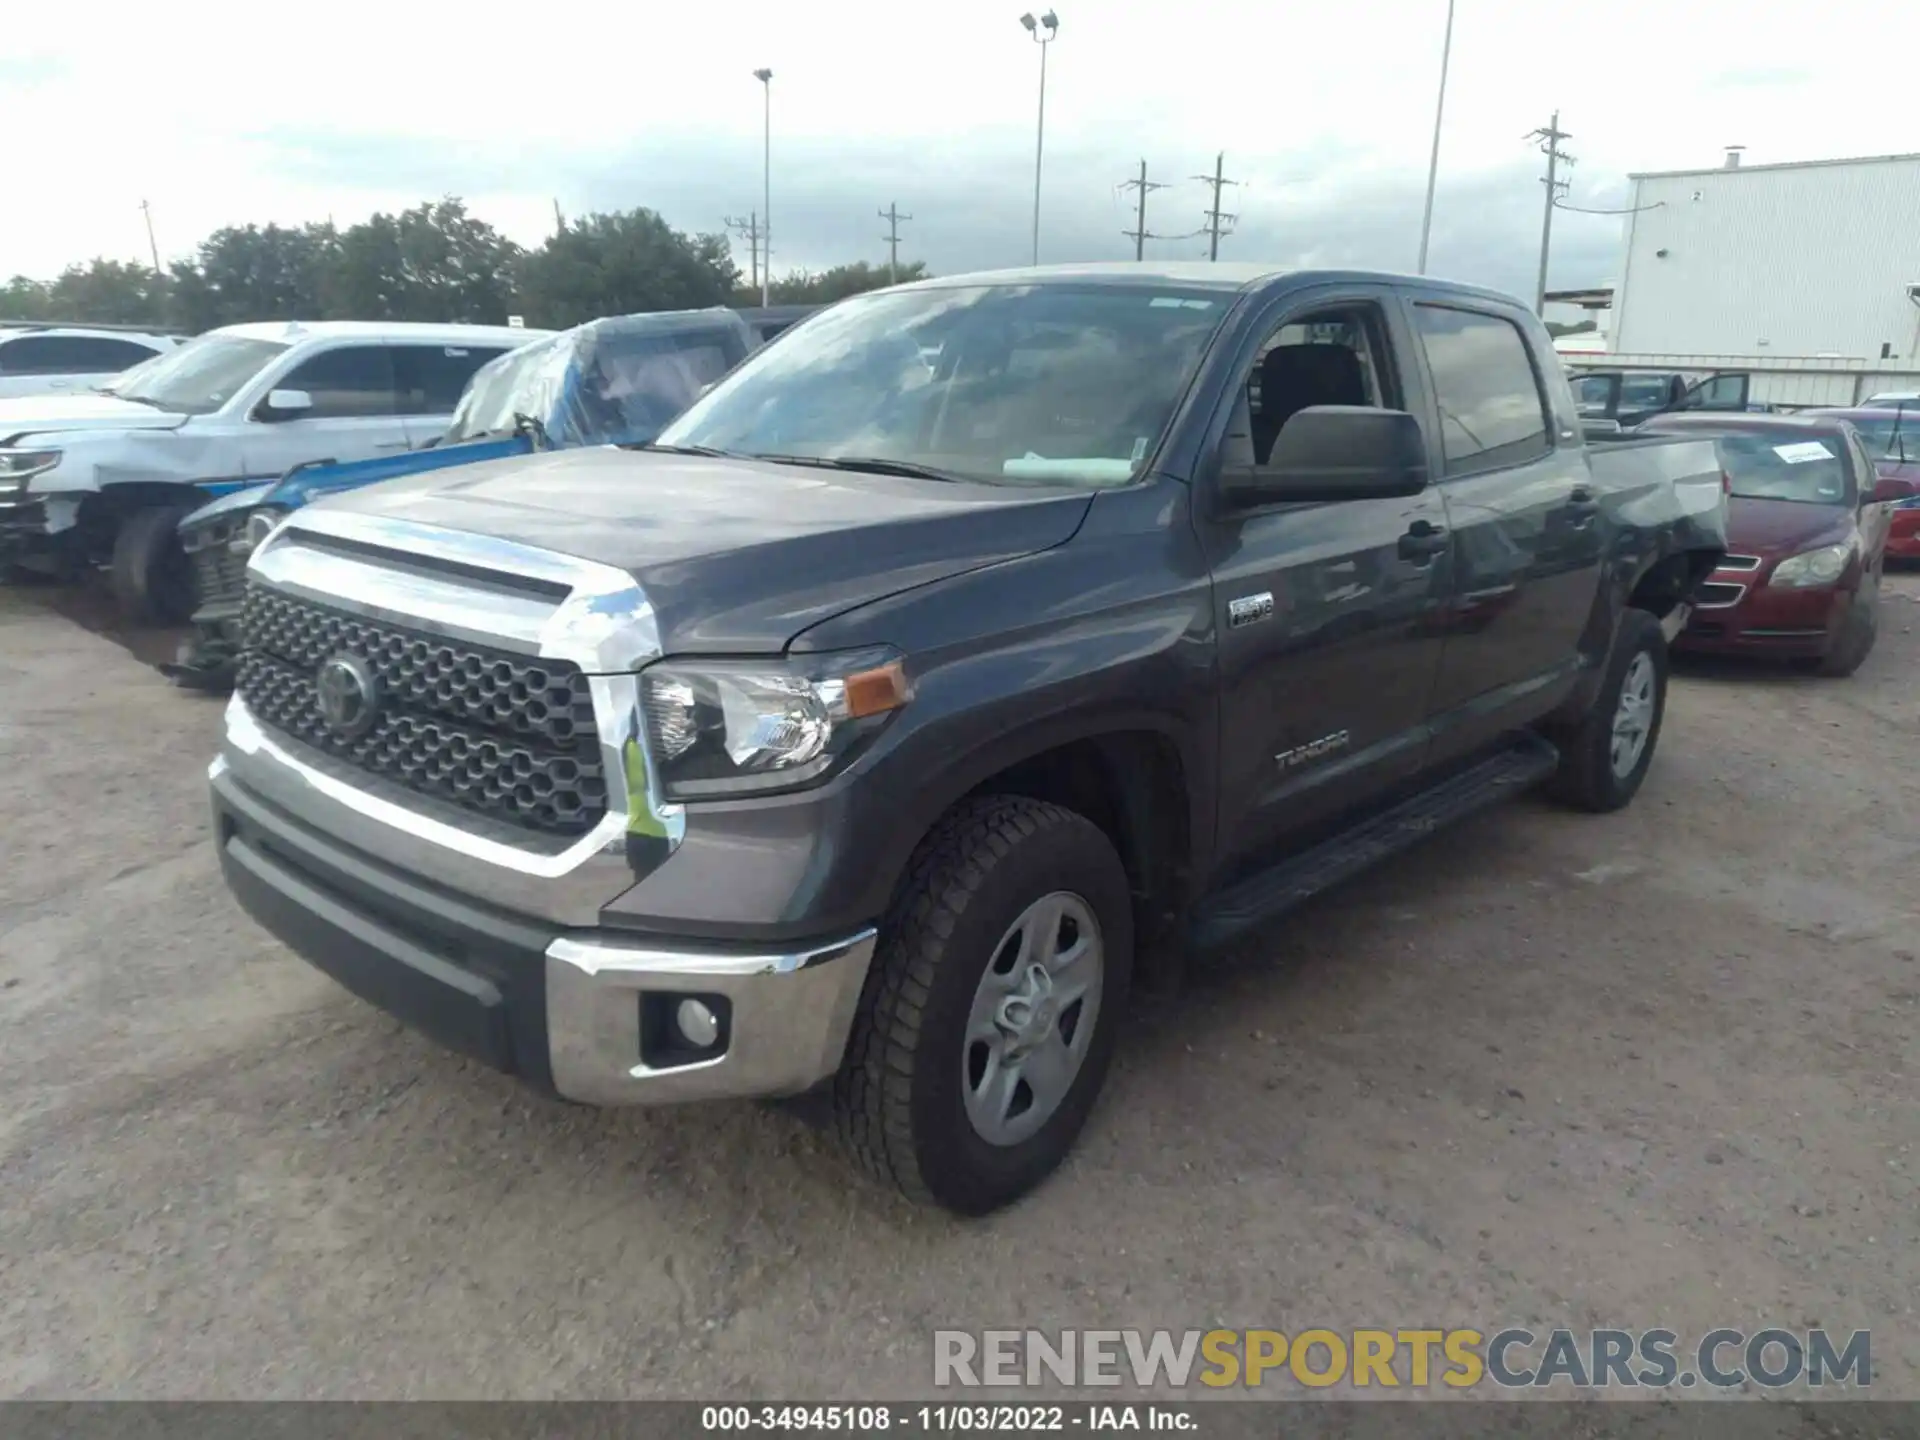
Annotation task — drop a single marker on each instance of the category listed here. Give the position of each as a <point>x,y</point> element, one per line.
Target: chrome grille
<point>218,574</point>
<point>1740,562</point>
<point>486,730</point>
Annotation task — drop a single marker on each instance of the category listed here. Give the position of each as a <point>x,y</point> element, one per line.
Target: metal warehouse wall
<point>1774,260</point>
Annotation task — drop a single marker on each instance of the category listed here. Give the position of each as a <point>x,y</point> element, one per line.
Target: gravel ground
<point>1650,1069</point>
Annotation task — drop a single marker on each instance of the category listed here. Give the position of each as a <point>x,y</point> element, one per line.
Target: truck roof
<point>295,330</point>
<point>1205,274</point>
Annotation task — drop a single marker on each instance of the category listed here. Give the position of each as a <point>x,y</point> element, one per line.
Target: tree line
<point>434,262</point>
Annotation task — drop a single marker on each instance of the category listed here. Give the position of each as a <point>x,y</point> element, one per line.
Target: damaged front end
<point>218,539</point>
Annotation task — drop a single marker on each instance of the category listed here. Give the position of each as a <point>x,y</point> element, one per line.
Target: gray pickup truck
<point>983,645</point>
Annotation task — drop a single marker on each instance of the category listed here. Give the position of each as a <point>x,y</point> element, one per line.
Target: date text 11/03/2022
<point>943,1418</point>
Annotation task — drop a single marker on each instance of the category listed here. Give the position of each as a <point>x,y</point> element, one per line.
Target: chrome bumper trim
<point>792,1012</point>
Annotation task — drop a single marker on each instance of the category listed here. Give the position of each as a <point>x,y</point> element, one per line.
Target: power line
<point>1140,234</point>
<point>749,227</point>
<point>893,217</point>
<point>1549,137</point>
<point>1216,217</point>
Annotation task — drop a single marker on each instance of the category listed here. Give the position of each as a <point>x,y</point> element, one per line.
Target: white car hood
<point>39,414</point>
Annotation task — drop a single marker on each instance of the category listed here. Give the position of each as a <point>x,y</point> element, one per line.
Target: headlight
<point>252,535</point>
<point>1813,567</point>
<point>19,464</point>
<point>722,728</point>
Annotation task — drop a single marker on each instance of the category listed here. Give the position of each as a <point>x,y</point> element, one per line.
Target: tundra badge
<point>1249,608</point>
<point>1312,750</point>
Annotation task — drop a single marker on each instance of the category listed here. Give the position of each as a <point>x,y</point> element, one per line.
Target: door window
<point>1492,413</point>
<point>429,379</point>
<point>353,380</point>
<point>1331,357</point>
<point>70,355</point>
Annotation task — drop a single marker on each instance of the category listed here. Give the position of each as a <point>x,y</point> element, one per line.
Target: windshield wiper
<point>706,450</point>
<point>531,427</point>
<point>867,465</point>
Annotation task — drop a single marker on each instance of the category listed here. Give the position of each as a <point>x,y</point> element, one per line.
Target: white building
<point>1820,258</point>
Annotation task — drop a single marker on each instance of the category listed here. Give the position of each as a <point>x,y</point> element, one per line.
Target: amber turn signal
<point>876,691</point>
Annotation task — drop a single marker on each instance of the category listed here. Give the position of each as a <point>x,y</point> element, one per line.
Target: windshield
<point>1892,437</point>
<point>1592,392</point>
<point>1011,384</point>
<point>197,378</point>
<point>512,383</point>
<point>1786,465</point>
<point>1645,392</point>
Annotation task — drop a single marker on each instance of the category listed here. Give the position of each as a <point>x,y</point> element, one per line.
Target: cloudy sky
<point>223,113</point>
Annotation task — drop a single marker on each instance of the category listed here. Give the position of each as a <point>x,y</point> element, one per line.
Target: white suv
<point>40,359</point>
<point>103,478</point>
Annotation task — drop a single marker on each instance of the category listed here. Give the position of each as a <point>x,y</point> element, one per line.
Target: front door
<point>355,414</point>
<point>1527,525</point>
<point>1324,612</point>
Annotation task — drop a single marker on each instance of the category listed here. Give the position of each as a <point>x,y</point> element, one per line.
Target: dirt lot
<point>1652,1069</point>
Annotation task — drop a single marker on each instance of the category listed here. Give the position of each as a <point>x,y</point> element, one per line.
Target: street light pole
<point>1050,23</point>
<point>1433,165</point>
<point>765,77</point>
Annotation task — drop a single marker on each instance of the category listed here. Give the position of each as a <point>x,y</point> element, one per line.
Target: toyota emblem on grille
<point>349,695</point>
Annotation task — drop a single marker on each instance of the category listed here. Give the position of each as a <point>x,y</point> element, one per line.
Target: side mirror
<point>1334,453</point>
<point>286,405</point>
<point>1891,490</point>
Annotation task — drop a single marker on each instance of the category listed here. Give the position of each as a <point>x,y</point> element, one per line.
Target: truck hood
<point>735,555</point>
<point>43,414</point>
<point>1770,528</point>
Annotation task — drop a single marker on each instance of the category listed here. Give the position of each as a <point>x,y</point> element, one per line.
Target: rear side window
<point>71,355</point>
<point>430,379</point>
<point>354,380</point>
<point>1492,413</point>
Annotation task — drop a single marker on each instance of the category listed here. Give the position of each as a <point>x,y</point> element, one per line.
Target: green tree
<point>250,272</point>
<point>24,299</point>
<point>433,262</point>
<point>802,287</point>
<point>623,264</point>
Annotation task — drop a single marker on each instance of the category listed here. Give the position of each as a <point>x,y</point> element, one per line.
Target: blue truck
<point>616,381</point>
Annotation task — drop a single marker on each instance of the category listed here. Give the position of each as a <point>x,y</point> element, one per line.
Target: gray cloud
<point>971,202</point>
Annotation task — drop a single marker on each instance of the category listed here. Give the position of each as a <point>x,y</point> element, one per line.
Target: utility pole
<point>765,77</point>
<point>1549,139</point>
<point>893,217</point>
<point>559,220</point>
<point>749,227</point>
<point>153,247</point>
<point>1139,234</point>
<point>1215,215</point>
<point>1433,164</point>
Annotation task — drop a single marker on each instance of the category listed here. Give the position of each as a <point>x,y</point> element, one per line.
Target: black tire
<point>1857,632</point>
<point>1586,777</point>
<point>899,1098</point>
<point>150,577</point>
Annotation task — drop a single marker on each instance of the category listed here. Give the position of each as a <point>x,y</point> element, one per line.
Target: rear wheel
<point>150,575</point>
<point>1604,759</point>
<point>990,1013</point>
<point>1857,632</point>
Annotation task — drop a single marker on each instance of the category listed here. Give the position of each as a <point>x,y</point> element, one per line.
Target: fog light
<point>699,1025</point>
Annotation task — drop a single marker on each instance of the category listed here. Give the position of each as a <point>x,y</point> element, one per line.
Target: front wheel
<point>150,576</point>
<point>1604,759</point>
<point>1857,632</point>
<point>989,1017</point>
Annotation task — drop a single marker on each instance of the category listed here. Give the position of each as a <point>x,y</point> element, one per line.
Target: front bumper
<point>1763,619</point>
<point>581,1013</point>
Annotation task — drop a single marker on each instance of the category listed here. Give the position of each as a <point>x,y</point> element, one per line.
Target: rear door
<point>355,413</point>
<point>429,381</point>
<point>1325,613</point>
<point>1525,518</point>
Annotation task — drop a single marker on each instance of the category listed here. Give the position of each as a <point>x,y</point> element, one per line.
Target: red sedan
<point>1807,530</point>
<point>1892,437</point>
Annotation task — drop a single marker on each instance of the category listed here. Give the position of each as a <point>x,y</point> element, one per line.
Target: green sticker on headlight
<point>640,817</point>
